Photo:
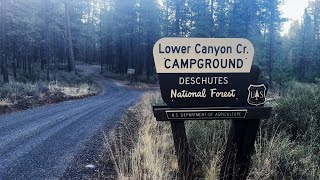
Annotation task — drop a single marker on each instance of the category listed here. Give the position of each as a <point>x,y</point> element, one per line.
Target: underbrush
<point>290,141</point>
<point>287,146</point>
<point>27,92</point>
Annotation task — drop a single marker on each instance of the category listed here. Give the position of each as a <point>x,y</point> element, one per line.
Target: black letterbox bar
<point>164,113</point>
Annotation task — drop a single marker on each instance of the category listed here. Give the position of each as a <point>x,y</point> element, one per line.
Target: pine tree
<point>71,63</point>
<point>201,20</point>
<point>271,22</point>
<point>221,15</point>
<point>306,63</point>
<point>4,41</point>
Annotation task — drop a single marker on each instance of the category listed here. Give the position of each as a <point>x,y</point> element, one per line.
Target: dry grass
<point>17,96</point>
<point>152,153</point>
<point>143,148</point>
<point>282,158</point>
<point>16,90</point>
<point>207,140</point>
<point>63,84</point>
<point>73,91</point>
<point>33,90</point>
<point>6,102</point>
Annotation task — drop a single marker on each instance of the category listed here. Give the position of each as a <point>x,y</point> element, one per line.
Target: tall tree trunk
<point>14,69</point>
<point>71,64</point>
<point>4,69</point>
<point>271,41</point>
<point>302,63</point>
<point>178,17</point>
<point>167,18</point>
<point>48,70</point>
<point>316,22</point>
<point>101,52</point>
<point>25,64</point>
<point>29,61</point>
<point>15,57</point>
<point>18,61</point>
<point>212,17</point>
<point>42,63</point>
<point>130,64</point>
<point>3,54</point>
<point>270,63</point>
<point>47,53</point>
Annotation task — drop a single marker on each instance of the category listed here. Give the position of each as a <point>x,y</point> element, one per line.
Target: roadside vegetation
<point>287,146</point>
<point>34,90</point>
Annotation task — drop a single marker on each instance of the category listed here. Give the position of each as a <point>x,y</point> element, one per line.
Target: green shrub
<point>297,117</point>
<point>298,111</point>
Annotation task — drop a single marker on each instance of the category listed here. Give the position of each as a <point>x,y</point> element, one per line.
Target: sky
<point>292,9</point>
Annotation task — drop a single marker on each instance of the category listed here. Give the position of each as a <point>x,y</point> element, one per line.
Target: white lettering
<point>223,94</point>
<point>188,94</point>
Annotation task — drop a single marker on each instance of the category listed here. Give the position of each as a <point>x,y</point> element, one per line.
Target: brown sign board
<point>206,72</point>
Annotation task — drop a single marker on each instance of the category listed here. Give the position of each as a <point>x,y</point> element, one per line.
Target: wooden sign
<point>209,79</point>
<point>131,71</point>
<point>205,72</point>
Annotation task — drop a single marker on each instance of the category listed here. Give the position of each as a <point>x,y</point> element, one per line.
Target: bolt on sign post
<point>210,79</point>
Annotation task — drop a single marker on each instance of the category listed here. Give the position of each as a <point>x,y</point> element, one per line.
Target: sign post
<point>182,149</point>
<point>242,135</point>
<point>131,73</point>
<point>210,79</point>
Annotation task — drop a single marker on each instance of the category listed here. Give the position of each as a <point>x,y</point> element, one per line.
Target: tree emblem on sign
<point>257,94</point>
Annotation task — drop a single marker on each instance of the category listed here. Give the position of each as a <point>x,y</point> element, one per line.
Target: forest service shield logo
<point>257,94</point>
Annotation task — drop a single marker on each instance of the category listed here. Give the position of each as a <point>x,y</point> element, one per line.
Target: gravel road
<point>41,143</point>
